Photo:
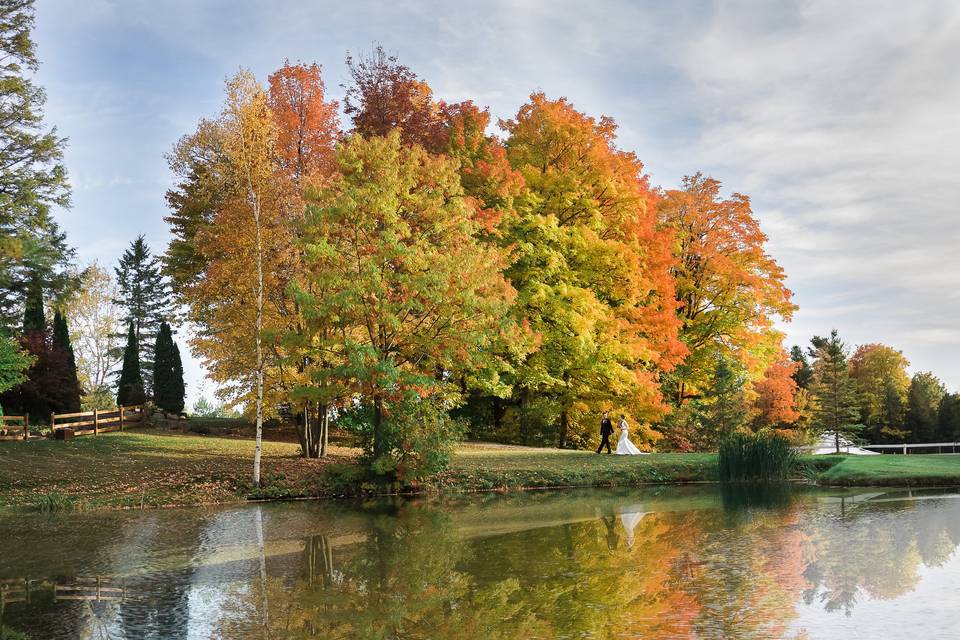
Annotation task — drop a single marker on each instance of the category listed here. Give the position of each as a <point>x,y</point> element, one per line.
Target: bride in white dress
<point>624,446</point>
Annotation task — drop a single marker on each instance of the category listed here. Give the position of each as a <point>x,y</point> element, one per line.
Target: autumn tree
<point>775,404</point>
<point>729,290</point>
<point>402,289</point>
<point>281,140</point>
<point>94,324</point>
<point>923,402</point>
<point>880,373</point>
<point>130,383</point>
<point>837,404</point>
<point>144,296</point>
<point>33,181</point>
<point>590,269</point>
<point>386,95</point>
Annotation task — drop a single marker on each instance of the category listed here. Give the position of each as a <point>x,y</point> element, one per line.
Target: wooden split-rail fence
<point>97,421</point>
<point>82,423</point>
<point>15,427</point>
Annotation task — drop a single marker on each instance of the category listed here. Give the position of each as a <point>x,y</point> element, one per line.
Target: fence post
<point>904,449</point>
<point>53,424</point>
<point>121,417</point>
<point>26,426</point>
<point>96,421</point>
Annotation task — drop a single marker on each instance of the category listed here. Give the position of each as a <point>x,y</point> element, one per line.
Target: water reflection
<point>670,562</point>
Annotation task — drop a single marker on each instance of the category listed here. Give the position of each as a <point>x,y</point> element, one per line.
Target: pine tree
<point>838,407</point>
<point>145,298</point>
<point>33,179</point>
<point>723,410</point>
<point>130,386</point>
<point>167,372</point>
<point>61,339</point>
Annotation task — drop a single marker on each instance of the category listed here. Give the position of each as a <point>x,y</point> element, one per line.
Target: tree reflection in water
<point>704,563</point>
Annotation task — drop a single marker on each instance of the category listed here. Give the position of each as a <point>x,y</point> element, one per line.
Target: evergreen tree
<point>61,338</point>
<point>130,386</point>
<point>33,317</point>
<point>723,409</point>
<point>923,404</point>
<point>838,407</point>
<point>145,298</point>
<point>803,376</point>
<point>33,179</point>
<point>168,383</point>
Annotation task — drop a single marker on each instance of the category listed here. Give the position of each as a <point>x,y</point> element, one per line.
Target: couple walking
<point>624,446</point>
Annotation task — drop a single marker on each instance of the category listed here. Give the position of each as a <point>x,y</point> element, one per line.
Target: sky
<point>841,120</point>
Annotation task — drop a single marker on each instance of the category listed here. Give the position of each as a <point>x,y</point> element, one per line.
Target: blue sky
<point>839,119</point>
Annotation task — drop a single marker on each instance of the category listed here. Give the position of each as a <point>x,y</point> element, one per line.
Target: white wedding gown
<point>624,446</point>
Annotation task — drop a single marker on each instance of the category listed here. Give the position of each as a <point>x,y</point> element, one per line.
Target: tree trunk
<point>497,413</point>
<point>564,424</point>
<point>524,426</point>
<point>377,426</point>
<point>255,202</point>
<point>323,417</point>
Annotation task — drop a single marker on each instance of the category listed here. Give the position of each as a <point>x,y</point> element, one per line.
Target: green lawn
<point>157,468</point>
<point>894,470</point>
<point>490,466</point>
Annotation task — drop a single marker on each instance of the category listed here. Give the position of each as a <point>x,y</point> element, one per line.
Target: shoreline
<point>152,468</point>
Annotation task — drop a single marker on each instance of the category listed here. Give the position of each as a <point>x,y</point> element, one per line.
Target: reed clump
<point>756,457</point>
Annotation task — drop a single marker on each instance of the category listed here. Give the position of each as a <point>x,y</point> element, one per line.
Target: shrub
<point>763,456</point>
<point>418,433</point>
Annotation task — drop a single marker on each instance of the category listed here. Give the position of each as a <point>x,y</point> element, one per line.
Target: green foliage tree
<point>396,288</point>
<point>130,386</point>
<point>61,337</point>
<point>33,179</point>
<point>13,362</point>
<point>880,373</point>
<point>145,299</point>
<point>923,403</point>
<point>837,404</point>
<point>948,418</point>
<point>169,389</point>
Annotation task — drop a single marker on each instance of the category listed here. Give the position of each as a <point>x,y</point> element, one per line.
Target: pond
<point>669,562</point>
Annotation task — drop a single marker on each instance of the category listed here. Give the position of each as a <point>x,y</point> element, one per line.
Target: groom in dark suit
<point>606,429</point>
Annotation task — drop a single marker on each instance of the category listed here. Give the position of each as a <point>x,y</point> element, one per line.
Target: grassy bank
<point>893,470</point>
<point>491,466</point>
<point>152,468</point>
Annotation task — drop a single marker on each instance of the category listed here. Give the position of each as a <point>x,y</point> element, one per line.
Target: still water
<point>672,562</point>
